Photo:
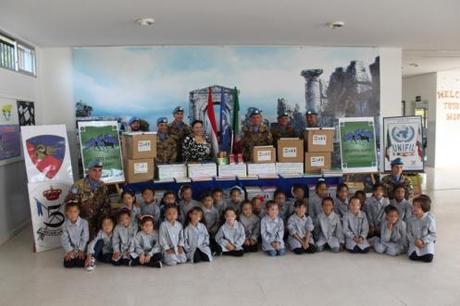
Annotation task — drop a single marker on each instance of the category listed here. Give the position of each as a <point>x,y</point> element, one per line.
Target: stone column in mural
<point>312,88</point>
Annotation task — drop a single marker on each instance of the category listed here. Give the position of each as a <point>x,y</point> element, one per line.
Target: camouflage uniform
<point>166,149</point>
<point>389,183</point>
<point>252,138</point>
<point>282,132</point>
<point>179,134</point>
<point>93,204</point>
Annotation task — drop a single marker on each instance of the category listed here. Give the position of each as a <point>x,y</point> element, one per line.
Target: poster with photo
<point>99,140</point>
<point>403,139</point>
<point>46,153</point>
<point>10,142</point>
<point>47,212</point>
<point>26,113</point>
<point>358,145</point>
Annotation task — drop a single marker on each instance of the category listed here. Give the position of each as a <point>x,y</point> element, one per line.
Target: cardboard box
<point>138,170</point>
<point>314,162</point>
<point>263,154</point>
<point>319,139</point>
<point>138,145</point>
<point>171,171</point>
<point>290,150</point>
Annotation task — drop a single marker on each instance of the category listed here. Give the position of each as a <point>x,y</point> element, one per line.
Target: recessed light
<point>336,24</point>
<point>415,65</point>
<point>145,22</point>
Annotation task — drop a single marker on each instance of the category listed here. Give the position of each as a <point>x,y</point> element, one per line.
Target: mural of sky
<point>150,81</point>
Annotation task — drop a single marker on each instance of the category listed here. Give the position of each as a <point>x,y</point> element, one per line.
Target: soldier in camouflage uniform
<point>166,144</point>
<point>92,196</point>
<point>396,178</point>
<point>255,134</point>
<point>312,118</point>
<point>282,129</point>
<point>179,130</point>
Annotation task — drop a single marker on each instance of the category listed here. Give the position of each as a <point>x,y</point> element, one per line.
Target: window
<point>17,56</point>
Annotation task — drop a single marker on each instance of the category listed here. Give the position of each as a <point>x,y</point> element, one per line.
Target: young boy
<point>421,230</point>
<point>169,199</point>
<point>298,194</point>
<point>399,201</point>
<point>251,224</point>
<point>235,199</point>
<point>356,228</point>
<point>218,198</point>
<point>211,219</point>
<point>149,207</point>
<point>341,200</point>
<point>330,228</point>
<point>100,248</point>
<point>75,236</point>
<point>393,238</point>
<point>123,235</point>
<point>315,206</point>
<point>374,209</point>
<point>187,202</point>
<point>272,231</point>
<point>145,249</point>
<point>300,228</point>
<point>280,199</point>
<point>172,238</point>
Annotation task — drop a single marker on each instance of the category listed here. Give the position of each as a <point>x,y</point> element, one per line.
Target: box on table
<point>290,168</point>
<point>137,145</point>
<point>255,169</point>
<point>138,170</point>
<point>263,154</point>
<point>232,170</point>
<point>202,170</point>
<point>261,192</point>
<point>290,150</point>
<point>319,139</point>
<point>171,171</point>
<point>315,162</point>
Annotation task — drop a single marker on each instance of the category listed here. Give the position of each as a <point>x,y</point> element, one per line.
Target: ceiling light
<point>336,24</point>
<point>415,65</point>
<point>145,22</point>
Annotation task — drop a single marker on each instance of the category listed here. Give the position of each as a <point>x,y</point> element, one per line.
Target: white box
<point>261,169</point>
<point>233,170</point>
<point>289,168</point>
<point>202,170</point>
<point>171,171</point>
<point>256,191</point>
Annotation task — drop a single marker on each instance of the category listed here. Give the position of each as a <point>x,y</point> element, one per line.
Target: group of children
<point>174,232</point>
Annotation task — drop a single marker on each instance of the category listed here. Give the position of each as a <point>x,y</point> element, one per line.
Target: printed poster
<point>26,113</point>
<point>10,143</point>
<point>47,212</point>
<point>403,139</point>
<point>99,140</point>
<point>358,145</point>
<point>46,153</point>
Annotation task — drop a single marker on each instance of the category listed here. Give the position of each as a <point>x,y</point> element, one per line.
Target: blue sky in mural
<point>150,81</point>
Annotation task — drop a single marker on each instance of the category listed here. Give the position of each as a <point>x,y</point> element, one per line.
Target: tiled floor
<point>319,279</point>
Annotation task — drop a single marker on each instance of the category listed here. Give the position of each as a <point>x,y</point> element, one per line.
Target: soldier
<point>283,128</point>
<point>397,178</point>
<point>166,144</point>
<point>179,130</point>
<point>255,134</point>
<point>92,196</point>
<point>138,125</point>
<point>312,118</point>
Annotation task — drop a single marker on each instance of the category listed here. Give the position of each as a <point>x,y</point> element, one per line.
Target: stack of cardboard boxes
<point>290,156</point>
<point>318,148</point>
<point>139,152</point>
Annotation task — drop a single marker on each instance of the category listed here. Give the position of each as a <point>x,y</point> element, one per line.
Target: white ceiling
<point>413,25</point>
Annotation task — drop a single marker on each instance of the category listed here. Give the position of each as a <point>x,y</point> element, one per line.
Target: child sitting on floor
<point>75,236</point>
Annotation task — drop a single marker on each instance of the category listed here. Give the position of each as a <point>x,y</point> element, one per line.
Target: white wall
<point>424,86</point>
<point>14,203</point>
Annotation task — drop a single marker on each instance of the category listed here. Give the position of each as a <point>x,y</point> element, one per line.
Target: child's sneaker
<point>92,264</point>
<point>157,264</point>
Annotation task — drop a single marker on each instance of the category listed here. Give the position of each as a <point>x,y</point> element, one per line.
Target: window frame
<point>9,39</point>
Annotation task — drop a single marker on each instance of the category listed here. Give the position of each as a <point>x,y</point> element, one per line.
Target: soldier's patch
<point>47,153</point>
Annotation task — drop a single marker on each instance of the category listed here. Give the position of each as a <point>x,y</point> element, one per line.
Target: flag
<point>235,121</point>
<point>212,123</point>
<point>225,129</point>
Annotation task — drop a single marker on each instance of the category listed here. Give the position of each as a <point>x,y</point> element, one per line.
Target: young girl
<point>374,209</point>
<point>362,197</point>
<point>172,238</point>
<point>75,236</point>
<point>128,201</point>
<point>218,198</point>
<point>258,207</point>
<point>235,199</point>
<point>356,228</point>
<point>298,193</point>
<point>251,225</point>
<point>187,202</point>
<point>169,199</point>
<point>315,207</point>
<point>341,200</point>
<point>149,207</point>
<point>196,237</point>
<point>280,199</point>
<point>272,231</point>
<point>330,228</point>
<point>230,236</point>
<point>212,219</point>
<point>393,239</point>
<point>145,249</point>
<point>421,230</point>
<point>100,248</point>
<point>399,201</point>
<point>300,228</point>
<point>123,235</point>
